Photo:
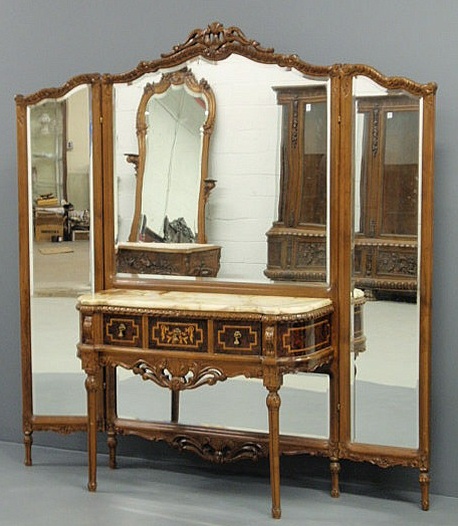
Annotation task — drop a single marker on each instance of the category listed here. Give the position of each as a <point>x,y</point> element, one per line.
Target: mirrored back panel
<point>265,199</point>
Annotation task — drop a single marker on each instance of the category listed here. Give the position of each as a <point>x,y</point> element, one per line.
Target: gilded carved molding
<point>217,42</point>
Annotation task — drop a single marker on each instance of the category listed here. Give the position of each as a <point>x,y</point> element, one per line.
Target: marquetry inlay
<point>305,339</point>
<point>237,338</point>
<point>177,335</point>
<point>123,330</point>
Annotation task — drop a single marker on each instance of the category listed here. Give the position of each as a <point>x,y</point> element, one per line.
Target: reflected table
<point>184,340</point>
<point>170,259</point>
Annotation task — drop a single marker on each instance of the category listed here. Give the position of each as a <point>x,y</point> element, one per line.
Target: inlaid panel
<point>237,338</point>
<point>179,335</point>
<point>304,338</point>
<point>122,330</point>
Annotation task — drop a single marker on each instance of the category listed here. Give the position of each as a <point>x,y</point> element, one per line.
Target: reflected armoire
<point>313,184</point>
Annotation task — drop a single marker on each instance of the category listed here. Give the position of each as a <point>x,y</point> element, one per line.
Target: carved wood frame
<point>31,422</point>
<point>381,455</point>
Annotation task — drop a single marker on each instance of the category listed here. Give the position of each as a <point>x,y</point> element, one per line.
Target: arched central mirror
<point>272,131</point>
<point>272,128</point>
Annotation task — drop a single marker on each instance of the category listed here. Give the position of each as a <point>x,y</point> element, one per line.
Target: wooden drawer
<point>177,334</point>
<point>122,330</point>
<point>237,337</point>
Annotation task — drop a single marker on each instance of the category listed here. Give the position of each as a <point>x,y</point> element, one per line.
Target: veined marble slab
<point>166,247</point>
<point>203,301</point>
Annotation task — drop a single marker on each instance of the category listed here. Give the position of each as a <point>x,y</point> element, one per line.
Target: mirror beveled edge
<point>216,43</point>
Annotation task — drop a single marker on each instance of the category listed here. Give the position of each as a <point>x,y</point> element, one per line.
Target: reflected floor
<point>61,269</point>
<point>59,383</point>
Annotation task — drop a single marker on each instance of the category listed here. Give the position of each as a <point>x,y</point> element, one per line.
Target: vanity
<point>258,272</point>
<point>183,340</point>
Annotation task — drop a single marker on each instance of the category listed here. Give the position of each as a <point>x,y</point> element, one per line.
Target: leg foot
<point>276,513</point>
<point>424,487</point>
<point>335,470</point>
<point>112,443</point>
<point>28,441</point>
<point>92,486</point>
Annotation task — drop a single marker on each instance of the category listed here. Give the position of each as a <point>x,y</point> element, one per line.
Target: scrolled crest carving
<point>214,39</point>
<point>220,450</point>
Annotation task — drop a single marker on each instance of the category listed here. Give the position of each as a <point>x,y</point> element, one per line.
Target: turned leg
<point>175,406</point>
<point>112,442</point>
<point>273,404</point>
<point>91,388</point>
<point>28,441</point>
<point>424,479</point>
<point>335,470</point>
<point>110,397</point>
<point>334,429</point>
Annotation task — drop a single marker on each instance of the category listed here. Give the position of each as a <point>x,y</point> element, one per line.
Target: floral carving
<point>177,375</point>
<point>220,450</point>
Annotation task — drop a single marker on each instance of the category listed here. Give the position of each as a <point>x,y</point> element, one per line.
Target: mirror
<point>55,196</point>
<point>248,145</point>
<point>60,213</point>
<point>174,123</point>
<point>387,200</point>
<point>251,144</point>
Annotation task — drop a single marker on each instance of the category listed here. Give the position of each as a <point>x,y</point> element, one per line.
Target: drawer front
<point>303,338</point>
<point>122,330</point>
<point>237,337</point>
<point>178,334</point>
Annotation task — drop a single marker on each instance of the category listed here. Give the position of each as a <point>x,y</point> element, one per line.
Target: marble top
<point>203,301</point>
<point>166,247</point>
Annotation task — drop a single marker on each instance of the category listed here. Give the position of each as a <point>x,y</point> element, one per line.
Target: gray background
<point>44,42</point>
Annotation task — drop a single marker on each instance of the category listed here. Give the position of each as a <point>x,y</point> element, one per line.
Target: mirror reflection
<point>387,156</point>
<point>60,247</point>
<point>219,405</point>
<point>252,157</point>
<point>174,123</point>
<point>245,159</point>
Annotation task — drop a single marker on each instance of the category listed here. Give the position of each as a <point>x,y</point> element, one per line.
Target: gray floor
<point>52,492</point>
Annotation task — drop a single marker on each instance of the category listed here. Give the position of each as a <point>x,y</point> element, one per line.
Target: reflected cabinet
<point>241,229</point>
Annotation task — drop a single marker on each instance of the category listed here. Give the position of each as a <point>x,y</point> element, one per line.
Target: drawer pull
<point>237,336</point>
<point>122,330</point>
